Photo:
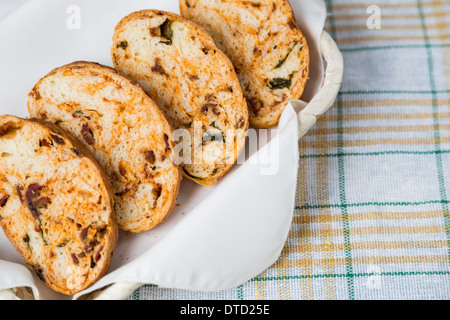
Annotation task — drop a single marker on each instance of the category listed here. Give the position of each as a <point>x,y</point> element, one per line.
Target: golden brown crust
<point>124,129</point>
<point>266,46</point>
<point>59,220</point>
<point>190,79</point>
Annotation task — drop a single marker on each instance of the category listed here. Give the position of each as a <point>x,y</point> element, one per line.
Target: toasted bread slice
<point>266,46</point>
<point>178,65</point>
<point>124,129</point>
<point>55,205</point>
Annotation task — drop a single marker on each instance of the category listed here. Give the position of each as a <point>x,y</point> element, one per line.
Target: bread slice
<point>124,129</point>
<point>266,46</point>
<point>55,205</point>
<point>178,65</point>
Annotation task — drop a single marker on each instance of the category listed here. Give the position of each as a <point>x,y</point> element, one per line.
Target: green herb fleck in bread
<point>266,46</point>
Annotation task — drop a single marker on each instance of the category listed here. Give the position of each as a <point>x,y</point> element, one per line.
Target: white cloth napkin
<point>218,237</point>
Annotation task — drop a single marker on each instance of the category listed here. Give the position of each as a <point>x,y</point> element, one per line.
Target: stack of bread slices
<point>106,149</point>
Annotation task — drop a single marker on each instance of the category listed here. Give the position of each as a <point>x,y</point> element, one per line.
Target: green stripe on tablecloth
<point>355,275</point>
<point>406,46</point>
<point>437,133</point>
<point>392,92</point>
<point>380,153</point>
<point>324,206</point>
<point>136,295</point>
<point>343,199</point>
<point>240,292</point>
<point>342,196</point>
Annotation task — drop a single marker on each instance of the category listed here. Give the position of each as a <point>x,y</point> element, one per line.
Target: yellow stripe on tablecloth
<point>376,129</point>
<point>386,116</point>
<point>323,198</point>
<point>325,217</point>
<point>440,26</point>
<point>390,5</point>
<point>446,58</point>
<point>371,142</point>
<point>373,230</point>
<point>369,245</point>
<point>439,8</point>
<point>284,292</point>
<point>307,291</point>
<point>394,17</point>
<point>260,287</point>
<point>371,260</point>
<point>394,102</point>
<point>388,38</point>
<point>283,275</point>
<point>437,16</point>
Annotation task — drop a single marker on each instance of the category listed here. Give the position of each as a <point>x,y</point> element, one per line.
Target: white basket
<point>308,113</point>
<point>326,96</point>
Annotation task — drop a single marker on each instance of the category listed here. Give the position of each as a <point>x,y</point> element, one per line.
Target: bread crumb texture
<point>266,46</point>
<point>177,64</point>
<point>125,131</point>
<point>55,207</point>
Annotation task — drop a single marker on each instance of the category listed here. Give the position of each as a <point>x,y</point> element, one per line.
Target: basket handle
<point>326,96</point>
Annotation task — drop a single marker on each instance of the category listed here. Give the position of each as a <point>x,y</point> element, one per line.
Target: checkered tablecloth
<point>372,216</point>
